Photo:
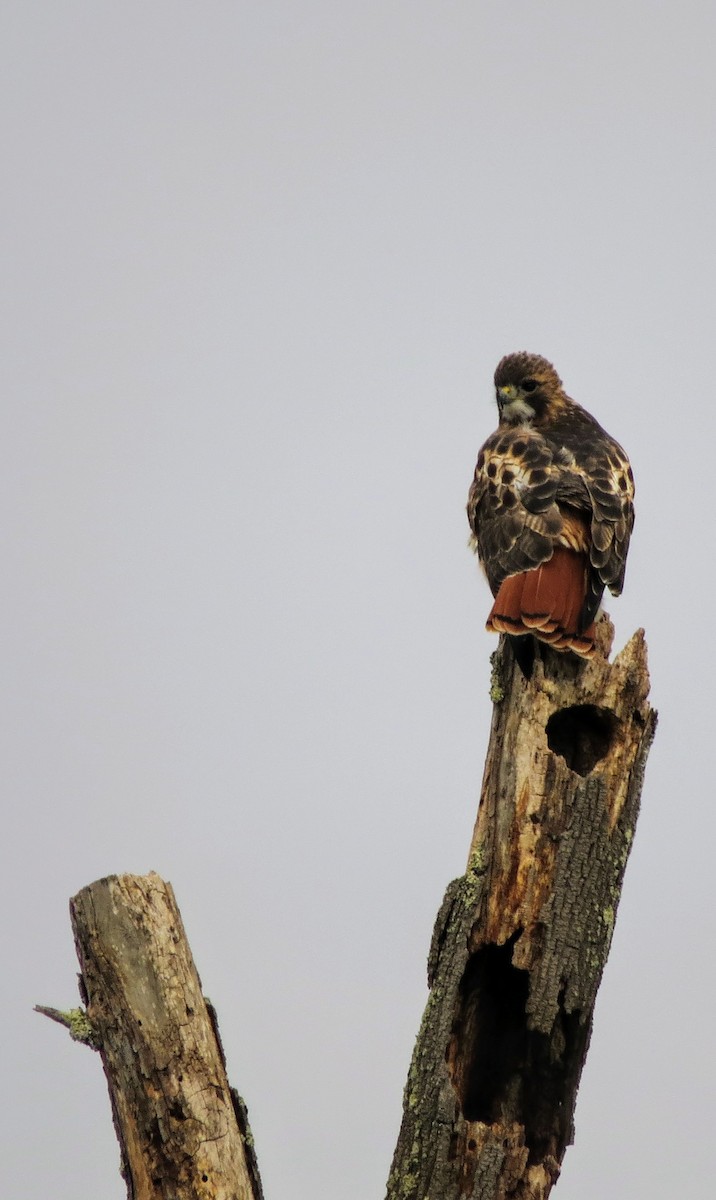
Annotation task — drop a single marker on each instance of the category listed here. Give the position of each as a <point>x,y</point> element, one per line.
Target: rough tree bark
<point>521,939</point>
<point>183,1133</point>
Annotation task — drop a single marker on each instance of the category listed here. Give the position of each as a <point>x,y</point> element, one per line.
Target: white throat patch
<point>517,411</point>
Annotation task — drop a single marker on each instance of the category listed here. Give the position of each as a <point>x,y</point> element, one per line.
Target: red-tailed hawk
<point>550,509</point>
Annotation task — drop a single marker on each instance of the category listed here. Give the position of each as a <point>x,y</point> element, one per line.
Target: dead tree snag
<point>517,955</point>
<point>521,939</point>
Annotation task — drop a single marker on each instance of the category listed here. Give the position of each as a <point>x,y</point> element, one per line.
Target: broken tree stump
<point>183,1132</point>
<point>522,938</point>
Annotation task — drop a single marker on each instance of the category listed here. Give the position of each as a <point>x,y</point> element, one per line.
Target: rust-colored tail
<point>547,603</point>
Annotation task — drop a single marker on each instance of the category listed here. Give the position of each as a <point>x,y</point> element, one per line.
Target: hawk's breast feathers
<point>550,509</point>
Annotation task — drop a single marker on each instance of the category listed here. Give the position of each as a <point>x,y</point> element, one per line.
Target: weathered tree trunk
<point>521,939</point>
<point>183,1132</point>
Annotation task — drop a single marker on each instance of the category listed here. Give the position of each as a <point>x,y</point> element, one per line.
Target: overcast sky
<point>259,263</point>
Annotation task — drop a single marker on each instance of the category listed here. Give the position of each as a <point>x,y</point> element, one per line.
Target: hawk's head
<point>526,386</point>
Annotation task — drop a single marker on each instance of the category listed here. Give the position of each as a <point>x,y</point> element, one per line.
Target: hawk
<point>550,509</point>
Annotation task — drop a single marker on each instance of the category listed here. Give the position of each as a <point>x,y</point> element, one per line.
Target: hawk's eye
<point>529,385</point>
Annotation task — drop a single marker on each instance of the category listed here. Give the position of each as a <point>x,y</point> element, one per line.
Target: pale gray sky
<point>259,263</point>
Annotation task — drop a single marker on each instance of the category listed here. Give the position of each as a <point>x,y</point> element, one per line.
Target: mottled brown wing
<point>610,483</point>
<point>512,506</point>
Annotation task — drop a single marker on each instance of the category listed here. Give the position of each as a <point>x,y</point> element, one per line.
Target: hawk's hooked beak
<point>506,395</point>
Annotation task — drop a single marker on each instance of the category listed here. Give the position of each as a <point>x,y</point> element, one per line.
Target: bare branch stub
<point>522,938</point>
<point>75,1020</point>
<point>183,1133</point>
